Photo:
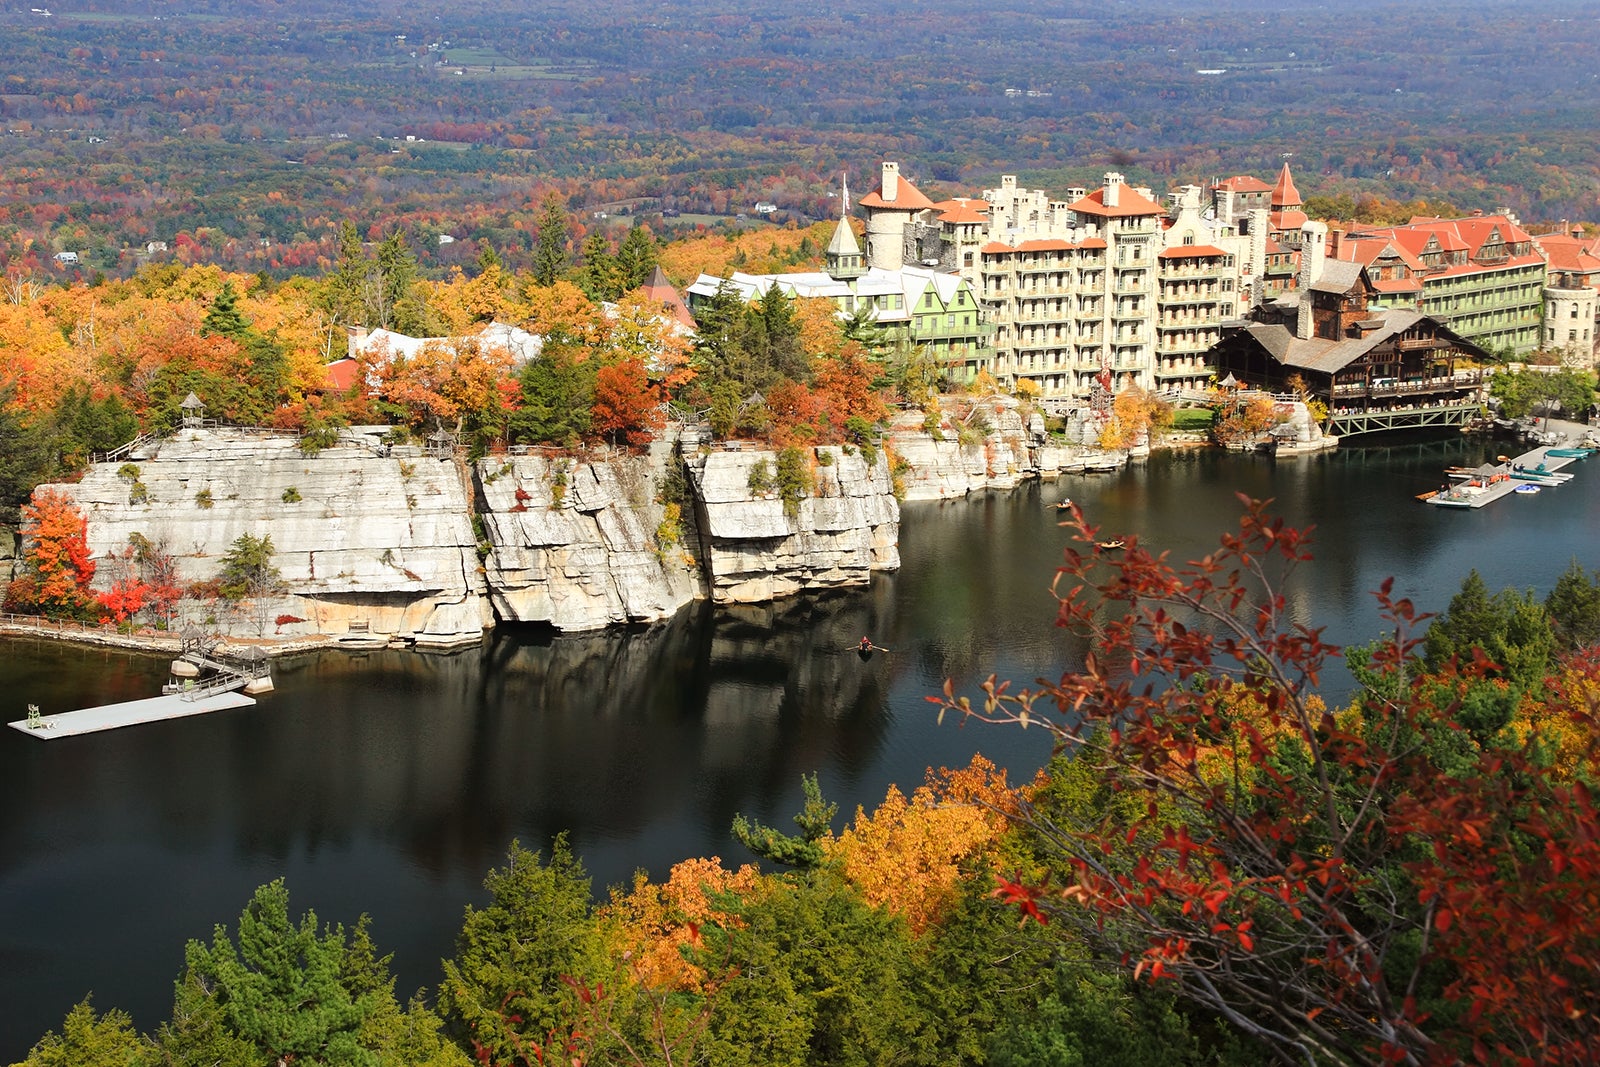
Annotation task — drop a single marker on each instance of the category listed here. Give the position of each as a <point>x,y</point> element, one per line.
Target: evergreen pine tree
<point>1574,608</point>
<point>281,987</point>
<point>223,318</point>
<point>636,258</point>
<point>550,253</point>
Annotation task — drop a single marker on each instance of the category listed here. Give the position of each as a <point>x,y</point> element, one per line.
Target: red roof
<point>1572,254</point>
<point>1050,244</point>
<point>1244,183</point>
<point>341,374</point>
<point>907,198</point>
<point>1190,252</point>
<point>962,209</point>
<point>1367,250</point>
<point>1459,235</point>
<point>1289,219</point>
<point>657,288</point>
<point>1284,194</point>
<point>1129,202</point>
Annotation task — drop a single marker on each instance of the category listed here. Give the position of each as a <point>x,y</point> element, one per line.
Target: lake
<point>390,782</point>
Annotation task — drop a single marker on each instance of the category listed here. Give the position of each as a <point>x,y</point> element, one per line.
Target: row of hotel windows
<point>931,322</point>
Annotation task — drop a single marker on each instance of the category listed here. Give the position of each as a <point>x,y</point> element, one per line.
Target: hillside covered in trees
<point>248,134</point>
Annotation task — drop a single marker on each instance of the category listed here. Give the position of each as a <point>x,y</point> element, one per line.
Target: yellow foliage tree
<point>640,329</point>
<point>656,922</point>
<point>39,364</point>
<point>564,316</point>
<point>464,302</point>
<point>1134,413</point>
<point>820,328</point>
<point>908,855</point>
<point>1564,720</point>
<point>763,250</point>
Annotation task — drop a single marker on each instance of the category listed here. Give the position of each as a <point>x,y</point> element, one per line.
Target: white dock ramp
<point>129,713</point>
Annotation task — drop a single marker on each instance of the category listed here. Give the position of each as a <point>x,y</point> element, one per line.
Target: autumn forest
<point>1216,868</point>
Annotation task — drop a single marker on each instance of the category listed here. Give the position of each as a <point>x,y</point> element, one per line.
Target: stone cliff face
<point>582,544</point>
<point>373,544</point>
<point>988,444</point>
<point>757,547</point>
<point>365,542</point>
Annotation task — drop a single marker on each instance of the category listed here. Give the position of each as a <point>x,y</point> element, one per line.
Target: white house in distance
<point>363,345</point>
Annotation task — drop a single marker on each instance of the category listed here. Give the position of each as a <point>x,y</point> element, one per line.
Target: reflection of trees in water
<point>604,735</point>
<point>976,582</point>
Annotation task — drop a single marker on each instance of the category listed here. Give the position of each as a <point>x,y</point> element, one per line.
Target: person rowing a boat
<point>865,648</point>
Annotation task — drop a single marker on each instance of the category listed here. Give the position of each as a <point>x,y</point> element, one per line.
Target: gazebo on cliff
<point>194,412</point>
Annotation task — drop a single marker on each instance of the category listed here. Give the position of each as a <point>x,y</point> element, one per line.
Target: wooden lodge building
<point>1375,368</point>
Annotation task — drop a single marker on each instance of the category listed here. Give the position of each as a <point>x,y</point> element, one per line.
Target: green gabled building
<point>923,307</point>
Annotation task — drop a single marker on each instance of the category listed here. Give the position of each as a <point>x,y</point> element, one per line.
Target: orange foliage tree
<point>657,922</point>
<point>627,408</point>
<point>909,854</point>
<point>845,382</point>
<point>59,566</point>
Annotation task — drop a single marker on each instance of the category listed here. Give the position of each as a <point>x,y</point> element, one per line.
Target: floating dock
<point>129,713</point>
<point>1498,480</point>
<point>191,691</point>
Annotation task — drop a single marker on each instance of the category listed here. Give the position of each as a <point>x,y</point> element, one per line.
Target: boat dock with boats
<point>1476,487</point>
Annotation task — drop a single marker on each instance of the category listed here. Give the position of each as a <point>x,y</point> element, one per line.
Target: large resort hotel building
<point>1112,287</point>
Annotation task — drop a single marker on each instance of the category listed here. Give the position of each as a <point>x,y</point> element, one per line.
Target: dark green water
<point>389,782</point>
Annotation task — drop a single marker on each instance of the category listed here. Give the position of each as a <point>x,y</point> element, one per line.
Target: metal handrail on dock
<point>200,652</point>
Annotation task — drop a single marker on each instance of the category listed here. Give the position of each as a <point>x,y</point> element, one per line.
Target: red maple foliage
<point>627,408</point>
<point>57,555</point>
<point>1357,886</point>
<point>124,599</point>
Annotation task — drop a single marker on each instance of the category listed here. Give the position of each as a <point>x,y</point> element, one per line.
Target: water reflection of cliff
<point>716,711</point>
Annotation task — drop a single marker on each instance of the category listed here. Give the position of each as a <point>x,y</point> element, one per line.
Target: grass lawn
<point>1192,420</point>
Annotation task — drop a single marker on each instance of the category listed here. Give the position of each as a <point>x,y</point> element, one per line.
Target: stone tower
<point>889,208</point>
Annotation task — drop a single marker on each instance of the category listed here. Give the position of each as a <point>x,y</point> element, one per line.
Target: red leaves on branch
<point>1025,897</point>
<point>1310,875</point>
